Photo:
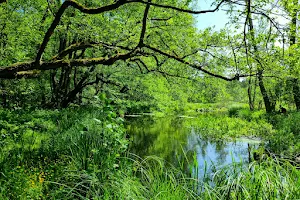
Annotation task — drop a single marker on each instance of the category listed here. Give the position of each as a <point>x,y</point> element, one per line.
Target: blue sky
<point>217,19</point>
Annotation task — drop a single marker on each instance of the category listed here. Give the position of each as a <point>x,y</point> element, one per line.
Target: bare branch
<point>161,19</point>
<point>85,45</point>
<point>141,41</point>
<point>193,65</point>
<point>270,19</point>
<point>138,60</point>
<point>181,9</point>
<point>165,74</point>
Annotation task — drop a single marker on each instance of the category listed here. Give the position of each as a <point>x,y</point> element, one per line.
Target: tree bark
<point>269,106</point>
<point>251,103</point>
<point>296,92</point>
<point>293,32</point>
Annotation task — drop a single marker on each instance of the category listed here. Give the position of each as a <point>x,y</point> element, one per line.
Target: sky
<point>217,19</point>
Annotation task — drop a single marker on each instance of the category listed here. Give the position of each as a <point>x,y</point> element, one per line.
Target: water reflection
<point>169,138</point>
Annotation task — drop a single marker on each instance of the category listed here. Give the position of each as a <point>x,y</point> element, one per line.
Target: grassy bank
<point>279,132</point>
<point>81,153</point>
<point>49,153</point>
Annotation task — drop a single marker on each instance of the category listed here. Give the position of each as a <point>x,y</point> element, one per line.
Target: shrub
<point>286,139</point>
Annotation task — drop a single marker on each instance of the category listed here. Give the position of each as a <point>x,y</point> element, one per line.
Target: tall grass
<point>151,178</point>
<point>81,154</point>
<point>269,179</point>
<point>50,153</point>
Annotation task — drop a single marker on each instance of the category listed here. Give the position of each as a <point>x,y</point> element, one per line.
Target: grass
<point>268,179</point>
<point>151,178</point>
<point>81,154</point>
<point>48,153</point>
<point>225,127</point>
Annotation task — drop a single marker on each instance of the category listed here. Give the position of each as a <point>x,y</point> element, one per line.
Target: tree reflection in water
<point>178,140</point>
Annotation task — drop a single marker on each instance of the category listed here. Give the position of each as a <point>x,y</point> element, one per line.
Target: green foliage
<point>286,140</point>
<point>231,127</point>
<point>269,179</point>
<point>152,178</point>
<point>92,142</point>
<point>39,149</point>
<point>76,153</point>
<point>246,114</point>
<point>234,111</point>
<point>156,180</point>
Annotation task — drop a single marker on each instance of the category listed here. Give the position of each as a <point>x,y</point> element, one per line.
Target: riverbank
<point>81,153</point>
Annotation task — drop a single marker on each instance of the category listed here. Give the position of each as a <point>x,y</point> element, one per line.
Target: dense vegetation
<point>82,153</point>
<point>72,70</point>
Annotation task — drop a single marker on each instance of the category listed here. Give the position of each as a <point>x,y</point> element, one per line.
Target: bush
<point>286,140</point>
<point>234,111</point>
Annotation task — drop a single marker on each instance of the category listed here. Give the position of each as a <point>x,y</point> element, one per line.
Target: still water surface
<point>170,137</point>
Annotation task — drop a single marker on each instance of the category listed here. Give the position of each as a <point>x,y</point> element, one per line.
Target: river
<point>179,139</point>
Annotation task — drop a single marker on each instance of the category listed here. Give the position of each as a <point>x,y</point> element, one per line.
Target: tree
<point>263,57</point>
<point>72,50</point>
<point>292,8</point>
<point>77,44</point>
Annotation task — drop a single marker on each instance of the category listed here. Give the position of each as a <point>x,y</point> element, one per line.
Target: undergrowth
<point>81,153</point>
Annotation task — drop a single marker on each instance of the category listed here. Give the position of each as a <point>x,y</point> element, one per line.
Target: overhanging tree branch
<point>193,65</point>
<point>84,45</point>
<point>181,9</point>
<point>61,11</point>
<point>14,70</point>
<point>103,9</point>
<point>144,26</point>
<point>18,69</point>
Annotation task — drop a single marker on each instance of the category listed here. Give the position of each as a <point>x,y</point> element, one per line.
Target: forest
<point>139,99</point>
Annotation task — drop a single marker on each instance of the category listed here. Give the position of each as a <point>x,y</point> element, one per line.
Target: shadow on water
<point>179,142</point>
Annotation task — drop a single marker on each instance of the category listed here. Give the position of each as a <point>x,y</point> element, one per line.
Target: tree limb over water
<point>26,69</point>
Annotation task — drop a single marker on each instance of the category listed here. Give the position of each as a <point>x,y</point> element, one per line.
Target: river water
<point>177,140</point>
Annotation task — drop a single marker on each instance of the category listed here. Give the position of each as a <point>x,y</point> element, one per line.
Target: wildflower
<point>41,177</point>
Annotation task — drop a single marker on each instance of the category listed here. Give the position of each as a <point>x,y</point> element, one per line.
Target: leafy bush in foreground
<point>286,140</point>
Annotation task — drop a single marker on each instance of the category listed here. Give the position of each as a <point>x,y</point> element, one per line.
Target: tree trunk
<point>296,92</point>
<point>270,107</point>
<point>3,95</point>
<point>250,101</point>
<point>293,32</point>
<point>251,92</point>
